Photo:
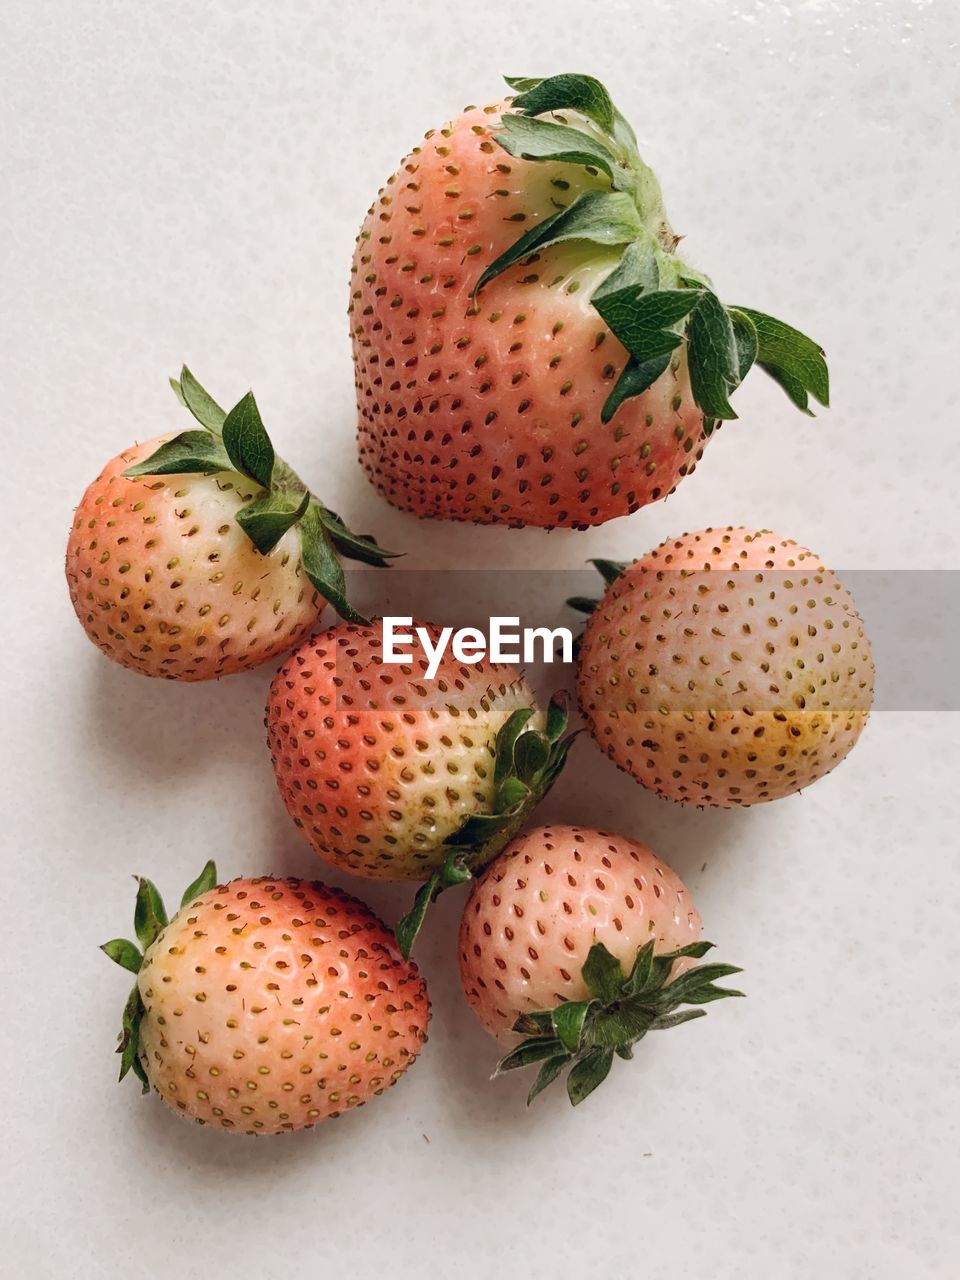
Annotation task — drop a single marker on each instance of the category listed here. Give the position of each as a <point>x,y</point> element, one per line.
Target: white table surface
<point>184,181</point>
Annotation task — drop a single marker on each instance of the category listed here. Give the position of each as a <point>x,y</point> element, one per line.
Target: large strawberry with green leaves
<point>266,1005</point>
<point>529,346</point>
<point>581,942</point>
<point>394,775</point>
<point>202,554</point>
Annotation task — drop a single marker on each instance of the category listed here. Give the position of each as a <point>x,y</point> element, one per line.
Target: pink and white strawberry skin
<point>165,581</point>
<point>378,765</point>
<point>271,1004</point>
<point>535,912</point>
<point>727,667</point>
<point>488,408</point>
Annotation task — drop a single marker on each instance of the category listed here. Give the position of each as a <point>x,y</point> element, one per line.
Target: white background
<point>183,181</point>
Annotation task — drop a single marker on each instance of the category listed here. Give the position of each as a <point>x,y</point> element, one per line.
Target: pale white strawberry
<point>727,667</point>
<point>268,1004</point>
<point>582,941</point>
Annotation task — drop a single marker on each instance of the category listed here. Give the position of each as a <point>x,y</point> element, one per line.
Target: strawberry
<point>582,941</point>
<point>727,667</point>
<point>266,1005</point>
<point>396,777</point>
<point>528,346</point>
<point>199,555</point>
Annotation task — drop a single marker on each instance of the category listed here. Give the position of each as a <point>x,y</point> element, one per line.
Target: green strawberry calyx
<point>527,762</point>
<point>238,442</point>
<point>651,301</point>
<point>610,571</point>
<point>149,920</point>
<point>585,1035</point>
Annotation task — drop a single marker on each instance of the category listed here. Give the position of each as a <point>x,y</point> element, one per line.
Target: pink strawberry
<point>200,555</point>
<point>727,667</point>
<point>381,767</point>
<point>529,349</point>
<point>267,1005</point>
<point>583,942</point>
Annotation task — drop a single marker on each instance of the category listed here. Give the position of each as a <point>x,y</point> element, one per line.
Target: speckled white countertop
<point>184,182</point>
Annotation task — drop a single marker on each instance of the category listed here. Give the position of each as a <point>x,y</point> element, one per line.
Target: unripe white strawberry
<point>583,941</point>
<point>267,1005</point>
<point>727,667</point>
<point>199,555</point>
<point>529,347</point>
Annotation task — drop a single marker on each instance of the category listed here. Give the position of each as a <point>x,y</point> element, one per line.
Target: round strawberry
<point>727,667</point>
<point>266,1005</point>
<point>528,346</point>
<point>582,941</point>
<point>393,773</point>
<point>199,555</point>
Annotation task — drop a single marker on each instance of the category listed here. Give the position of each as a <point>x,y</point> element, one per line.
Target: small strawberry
<point>199,555</point>
<point>727,667</point>
<point>266,1005</point>
<point>528,346</point>
<point>582,942</point>
<point>394,776</point>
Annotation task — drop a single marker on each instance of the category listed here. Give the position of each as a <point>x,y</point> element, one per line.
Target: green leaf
<point>669,1020</point>
<point>511,792</point>
<point>568,1021</point>
<point>712,356</point>
<point>643,321</point>
<point>623,1023</point>
<point>130,1038</point>
<point>641,971</point>
<point>603,217</point>
<point>476,830</point>
<point>323,567</point>
<point>191,451</point>
<point>610,570</point>
<point>567,93</point>
<point>530,139</point>
<point>199,401</point>
<point>582,604</point>
<point>123,953</point>
<point>538,1023</point>
<point>591,1071</point>
<point>529,1052</point>
<point>150,915</point>
<point>265,520</point>
<point>522,83</point>
<point>689,986</point>
<point>707,994</point>
<point>693,950</point>
<point>558,714</point>
<point>354,546</point>
<point>603,974</point>
<point>556,764</point>
<point>635,378</point>
<point>408,926</point>
<point>205,881</point>
<point>745,335</point>
<point>791,358</point>
<point>638,269</point>
<point>246,441</point>
<point>507,736</point>
<point>139,1072</point>
<point>547,1074</point>
<point>530,755</point>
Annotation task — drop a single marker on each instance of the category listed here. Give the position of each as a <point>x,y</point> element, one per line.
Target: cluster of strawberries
<point>529,349</point>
